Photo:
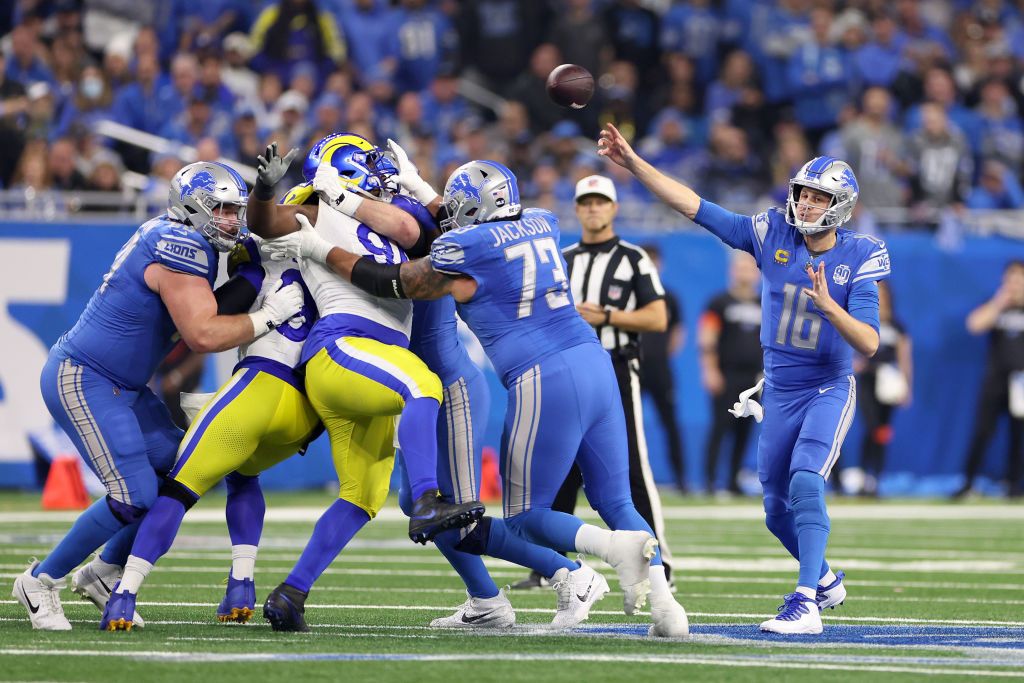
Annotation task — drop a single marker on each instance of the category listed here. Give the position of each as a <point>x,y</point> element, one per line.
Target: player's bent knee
<point>126,514</point>
<point>775,506</point>
<point>405,500</point>
<point>179,492</point>
<point>475,542</point>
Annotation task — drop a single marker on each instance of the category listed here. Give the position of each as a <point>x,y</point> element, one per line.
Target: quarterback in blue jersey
<point>819,303</point>
<point>503,267</point>
<point>160,285</point>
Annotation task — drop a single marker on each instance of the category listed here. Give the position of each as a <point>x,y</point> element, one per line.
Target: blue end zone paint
<point>958,637</point>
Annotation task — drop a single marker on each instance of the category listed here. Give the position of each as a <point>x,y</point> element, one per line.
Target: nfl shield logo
<point>615,292</point>
<point>841,275</point>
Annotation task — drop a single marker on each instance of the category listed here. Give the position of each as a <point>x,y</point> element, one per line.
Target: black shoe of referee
<point>432,514</point>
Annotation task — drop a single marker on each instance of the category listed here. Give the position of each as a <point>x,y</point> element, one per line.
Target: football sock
<point>593,540</point>
<point>622,516</point>
<point>245,509</point>
<point>660,591</point>
<point>135,572</point>
<point>93,528</point>
<point>505,545</point>
<point>783,526</point>
<point>827,579</point>
<point>808,592</point>
<point>547,527</point>
<point>332,532</point>
<point>470,568</point>
<point>118,548</point>
<point>807,493</point>
<point>417,434</point>
<point>243,561</point>
<point>159,529</point>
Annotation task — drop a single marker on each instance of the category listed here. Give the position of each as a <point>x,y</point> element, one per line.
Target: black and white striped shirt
<point>613,274</point>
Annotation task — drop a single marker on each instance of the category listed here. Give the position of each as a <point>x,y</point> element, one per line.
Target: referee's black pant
<point>641,481</point>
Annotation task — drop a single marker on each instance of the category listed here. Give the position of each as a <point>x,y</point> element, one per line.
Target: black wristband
<point>262,191</point>
<point>378,279</point>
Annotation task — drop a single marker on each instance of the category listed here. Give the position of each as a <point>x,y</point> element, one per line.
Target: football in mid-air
<point>570,85</point>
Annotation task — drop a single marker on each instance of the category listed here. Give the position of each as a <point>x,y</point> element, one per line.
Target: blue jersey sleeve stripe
<point>190,266</point>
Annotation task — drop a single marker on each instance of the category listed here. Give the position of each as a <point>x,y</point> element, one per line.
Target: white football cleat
<point>94,582</point>
<point>630,553</point>
<point>797,614</point>
<point>493,612</point>
<point>577,592</point>
<point>669,620</point>
<point>41,597</point>
<point>833,594</point>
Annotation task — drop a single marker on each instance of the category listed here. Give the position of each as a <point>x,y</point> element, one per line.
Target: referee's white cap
<point>596,184</point>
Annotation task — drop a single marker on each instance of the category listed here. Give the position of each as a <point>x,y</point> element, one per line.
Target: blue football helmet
<point>325,148</point>
<point>211,197</point>
<point>480,192</point>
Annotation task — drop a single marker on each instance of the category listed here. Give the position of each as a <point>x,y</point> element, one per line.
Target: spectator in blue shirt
<point>635,32</point>
<point>442,105</point>
<point>371,30</point>
<point>92,103</point>
<point>25,64</point>
<point>736,76</point>
<point>780,31</point>
<point>1002,135</point>
<point>175,93</point>
<point>211,87</point>
<point>879,61</point>
<point>199,120</point>
<point>427,40</point>
<point>998,188</point>
<point>694,28</point>
<point>819,78</point>
<point>139,104</point>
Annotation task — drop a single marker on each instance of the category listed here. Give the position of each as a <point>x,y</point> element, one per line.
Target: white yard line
<point>820,662</point>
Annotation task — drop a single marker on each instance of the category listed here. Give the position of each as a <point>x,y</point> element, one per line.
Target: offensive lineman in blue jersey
<point>819,302</point>
<point>504,268</point>
<point>435,339</point>
<point>94,383</point>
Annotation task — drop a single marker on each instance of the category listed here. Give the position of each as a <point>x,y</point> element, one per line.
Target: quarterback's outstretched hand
<point>271,166</point>
<point>819,294</point>
<point>613,145</point>
<point>305,244</point>
<point>409,176</point>
<point>281,304</point>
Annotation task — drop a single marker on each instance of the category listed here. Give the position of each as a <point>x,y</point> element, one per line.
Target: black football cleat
<point>432,514</point>
<point>284,609</point>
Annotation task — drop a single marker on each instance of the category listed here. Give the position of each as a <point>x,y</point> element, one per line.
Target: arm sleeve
<point>738,231</point>
<point>648,284</point>
<point>237,295</point>
<point>862,303</point>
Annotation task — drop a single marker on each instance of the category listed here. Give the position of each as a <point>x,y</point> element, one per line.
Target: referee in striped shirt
<point>617,290</point>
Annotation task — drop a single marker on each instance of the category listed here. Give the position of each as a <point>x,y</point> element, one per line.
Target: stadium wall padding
<point>51,270</point>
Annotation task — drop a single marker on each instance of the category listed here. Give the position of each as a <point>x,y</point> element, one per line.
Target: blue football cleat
<point>285,609</point>
<point>432,514</point>
<point>833,594</point>
<point>239,601</point>
<point>120,610</point>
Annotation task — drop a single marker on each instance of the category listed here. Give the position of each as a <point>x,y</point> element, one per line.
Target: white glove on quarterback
<point>747,406</point>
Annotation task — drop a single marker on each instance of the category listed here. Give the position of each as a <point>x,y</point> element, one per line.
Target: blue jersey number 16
<point>794,310</point>
<point>544,249</point>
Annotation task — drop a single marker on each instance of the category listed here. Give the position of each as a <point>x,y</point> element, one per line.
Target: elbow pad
<point>378,279</point>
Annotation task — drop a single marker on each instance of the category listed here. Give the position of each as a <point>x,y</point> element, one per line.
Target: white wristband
<point>320,251</point>
<point>348,203</point>
<point>261,323</point>
<point>423,192</point>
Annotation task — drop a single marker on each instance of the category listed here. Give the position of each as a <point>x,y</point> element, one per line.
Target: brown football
<point>570,85</point>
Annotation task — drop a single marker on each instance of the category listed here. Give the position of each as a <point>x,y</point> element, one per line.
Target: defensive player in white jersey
<point>359,375</point>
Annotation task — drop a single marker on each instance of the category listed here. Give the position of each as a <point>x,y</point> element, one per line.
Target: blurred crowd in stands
<point>922,97</point>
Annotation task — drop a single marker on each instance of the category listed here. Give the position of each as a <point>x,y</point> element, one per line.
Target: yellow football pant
<point>255,421</point>
<point>357,387</point>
